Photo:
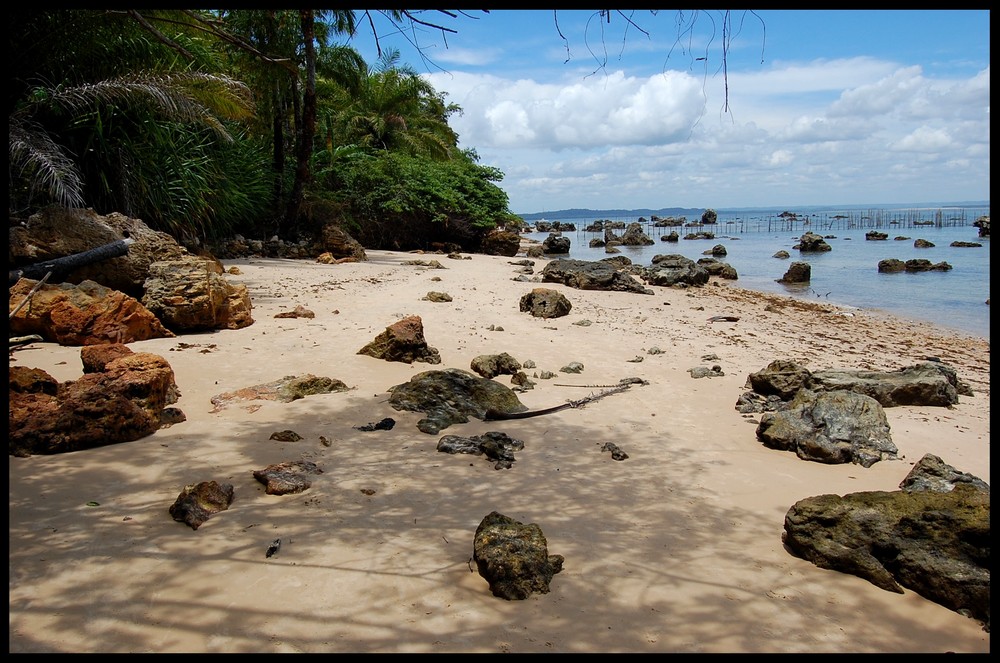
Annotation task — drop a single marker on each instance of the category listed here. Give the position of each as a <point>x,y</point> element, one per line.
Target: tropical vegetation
<point>207,123</point>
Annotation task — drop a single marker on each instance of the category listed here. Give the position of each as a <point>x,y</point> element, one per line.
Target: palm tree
<point>391,108</point>
<point>110,117</point>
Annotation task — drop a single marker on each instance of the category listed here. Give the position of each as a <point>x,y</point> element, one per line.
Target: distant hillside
<point>611,213</point>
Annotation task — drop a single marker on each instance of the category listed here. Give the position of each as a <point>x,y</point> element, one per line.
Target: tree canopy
<point>208,122</point>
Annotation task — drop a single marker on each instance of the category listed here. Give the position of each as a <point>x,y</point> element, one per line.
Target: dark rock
<point>199,502</point>
<point>832,427</point>
<point>545,303</point>
<point>782,378</point>
<point>496,446</point>
<point>556,244</point>
<point>932,473</point>
<point>513,558</point>
<point>490,366</point>
<point>811,242</point>
<point>934,543</point>
<point>716,267</point>
<point>383,424</point>
<point>927,383</point>
<point>891,266</point>
<point>616,451</point>
<point>287,478</point>
<point>588,275</point>
<point>924,265</point>
<point>797,272</point>
<point>403,341</point>
<point>500,243</point>
<point>634,236</point>
<point>286,435</point>
<point>674,269</point>
<point>451,396</point>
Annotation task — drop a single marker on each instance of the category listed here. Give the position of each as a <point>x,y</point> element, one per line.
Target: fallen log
<point>494,415</point>
<point>62,266</point>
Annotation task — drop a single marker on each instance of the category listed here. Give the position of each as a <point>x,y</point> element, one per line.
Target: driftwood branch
<point>494,415</point>
<point>28,296</point>
<point>66,264</point>
<point>17,341</point>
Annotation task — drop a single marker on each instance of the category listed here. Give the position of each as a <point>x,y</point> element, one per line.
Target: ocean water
<point>848,274</point>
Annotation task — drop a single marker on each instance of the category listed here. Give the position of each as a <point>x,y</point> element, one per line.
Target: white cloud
<point>924,139</point>
<point>828,130</point>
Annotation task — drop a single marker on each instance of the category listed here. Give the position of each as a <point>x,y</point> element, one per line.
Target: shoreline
<point>675,549</point>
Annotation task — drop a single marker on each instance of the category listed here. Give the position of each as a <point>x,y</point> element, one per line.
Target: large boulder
<point>589,275</point>
<point>556,244</point>
<point>830,427</point>
<point>191,294</point>
<point>336,241</point>
<point>500,243</point>
<point>928,383</point>
<point>634,235</point>
<point>798,272</point>
<point>451,396</point>
<point>84,314</point>
<point>545,303</point>
<point>674,269</point>
<point>932,537</point>
<point>123,402</point>
<point>811,242</point>
<point>56,232</point>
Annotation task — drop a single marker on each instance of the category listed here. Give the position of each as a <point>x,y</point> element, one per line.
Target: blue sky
<point>824,107</point>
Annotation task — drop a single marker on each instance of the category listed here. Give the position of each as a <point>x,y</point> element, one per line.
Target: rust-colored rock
<point>97,357</point>
<point>85,314</point>
<point>124,402</point>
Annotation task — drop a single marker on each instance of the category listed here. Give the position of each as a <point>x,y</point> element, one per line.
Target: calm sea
<point>848,274</point>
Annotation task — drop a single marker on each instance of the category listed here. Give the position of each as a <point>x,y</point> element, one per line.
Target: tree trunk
<point>307,128</point>
<point>66,264</point>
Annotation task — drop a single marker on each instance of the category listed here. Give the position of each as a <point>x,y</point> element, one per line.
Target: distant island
<point>578,213</point>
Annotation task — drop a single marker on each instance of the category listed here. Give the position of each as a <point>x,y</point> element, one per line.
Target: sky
<point>697,109</point>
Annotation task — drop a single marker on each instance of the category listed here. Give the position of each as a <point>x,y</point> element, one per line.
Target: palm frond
<point>182,97</point>
<point>39,160</point>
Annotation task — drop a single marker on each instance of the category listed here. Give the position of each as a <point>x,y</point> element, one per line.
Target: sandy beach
<point>675,549</point>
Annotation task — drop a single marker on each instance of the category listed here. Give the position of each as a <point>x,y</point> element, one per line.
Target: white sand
<point>676,549</point>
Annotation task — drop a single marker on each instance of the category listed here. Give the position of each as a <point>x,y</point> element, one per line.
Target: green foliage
<point>187,120</point>
<point>111,119</point>
<point>404,201</point>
